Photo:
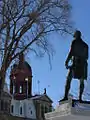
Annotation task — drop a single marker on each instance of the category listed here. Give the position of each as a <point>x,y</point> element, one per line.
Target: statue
<point>79,56</point>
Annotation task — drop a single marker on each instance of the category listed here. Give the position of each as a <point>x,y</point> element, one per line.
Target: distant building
<point>43,104</point>
<point>5,102</point>
<point>23,103</point>
<point>23,108</point>
<point>33,107</point>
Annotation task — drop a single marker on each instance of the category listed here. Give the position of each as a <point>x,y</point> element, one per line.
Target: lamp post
<point>26,79</point>
<point>38,86</point>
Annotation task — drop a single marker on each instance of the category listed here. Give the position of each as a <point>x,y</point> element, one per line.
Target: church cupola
<point>21,59</point>
<point>21,80</point>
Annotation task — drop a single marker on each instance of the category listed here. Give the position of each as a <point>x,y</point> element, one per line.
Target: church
<point>22,103</point>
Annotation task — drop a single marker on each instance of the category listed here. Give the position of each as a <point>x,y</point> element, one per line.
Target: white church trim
<point>23,108</point>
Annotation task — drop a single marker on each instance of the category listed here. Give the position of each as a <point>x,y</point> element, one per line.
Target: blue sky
<point>54,80</point>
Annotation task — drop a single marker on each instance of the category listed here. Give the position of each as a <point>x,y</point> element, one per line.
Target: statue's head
<point>77,34</point>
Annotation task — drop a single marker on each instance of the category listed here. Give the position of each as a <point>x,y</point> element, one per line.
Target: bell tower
<point>21,80</point>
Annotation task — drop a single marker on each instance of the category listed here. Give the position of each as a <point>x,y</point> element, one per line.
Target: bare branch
<point>26,24</point>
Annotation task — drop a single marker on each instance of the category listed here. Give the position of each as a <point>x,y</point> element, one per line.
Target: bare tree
<point>26,24</point>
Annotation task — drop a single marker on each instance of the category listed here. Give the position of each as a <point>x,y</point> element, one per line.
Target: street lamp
<point>26,79</point>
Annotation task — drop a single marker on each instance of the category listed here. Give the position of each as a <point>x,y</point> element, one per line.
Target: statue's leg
<point>68,84</point>
<point>81,89</point>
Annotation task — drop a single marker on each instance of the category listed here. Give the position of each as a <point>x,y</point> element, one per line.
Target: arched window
<point>46,109</point>
<point>12,107</point>
<point>42,111</point>
<point>20,110</point>
<point>2,105</point>
<point>20,89</point>
<point>13,89</point>
<point>16,88</point>
<point>31,112</point>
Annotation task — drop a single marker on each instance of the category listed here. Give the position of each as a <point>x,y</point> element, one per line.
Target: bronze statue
<point>79,56</point>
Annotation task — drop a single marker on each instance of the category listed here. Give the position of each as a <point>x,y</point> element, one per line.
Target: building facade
<point>34,107</point>
<point>43,104</point>
<point>24,104</point>
<point>5,102</point>
<point>23,108</point>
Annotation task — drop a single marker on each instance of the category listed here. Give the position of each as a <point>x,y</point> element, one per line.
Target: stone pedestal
<point>70,110</point>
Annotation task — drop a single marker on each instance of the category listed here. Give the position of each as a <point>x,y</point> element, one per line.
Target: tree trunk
<point>3,70</point>
<point>2,80</point>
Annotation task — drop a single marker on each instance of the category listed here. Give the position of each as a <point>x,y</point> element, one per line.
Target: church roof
<point>23,68</point>
<point>40,97</point>
<point>27,65</point>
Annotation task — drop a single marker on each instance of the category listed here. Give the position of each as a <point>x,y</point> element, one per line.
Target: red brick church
<point>21,79</point>
<point>24,104</point>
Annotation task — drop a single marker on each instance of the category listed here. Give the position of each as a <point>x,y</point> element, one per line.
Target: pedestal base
<point>70,110</point>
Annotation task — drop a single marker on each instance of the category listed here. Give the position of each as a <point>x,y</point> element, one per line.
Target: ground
<point>9,117</point>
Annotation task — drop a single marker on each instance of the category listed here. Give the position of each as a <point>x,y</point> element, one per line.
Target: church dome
<point>28,66</point>
<point>21,79</point>
<point>21,70</point>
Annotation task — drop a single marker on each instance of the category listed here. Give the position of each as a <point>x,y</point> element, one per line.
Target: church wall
<point>14,109</point>
<point>23,108</point>
<point>42,106</point>
<point>30,109</point>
